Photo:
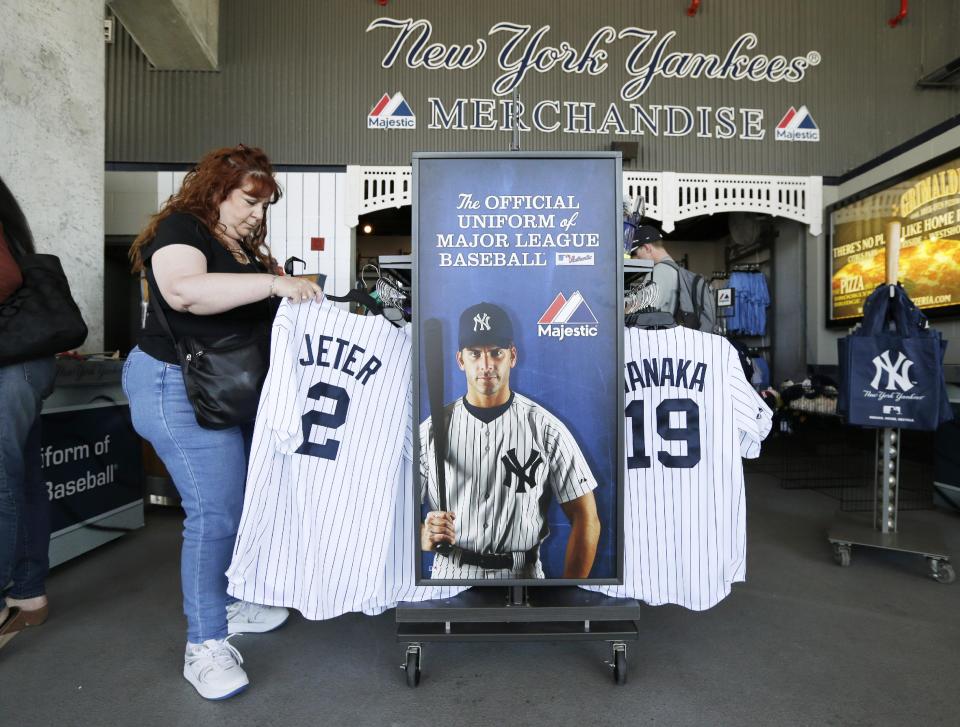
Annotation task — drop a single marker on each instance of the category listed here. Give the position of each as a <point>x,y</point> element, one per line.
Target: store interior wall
<point>371,247</point>
<point>789,286</point>
<point>52,130</point>
<point>703,256</point>
<point>821,341</point>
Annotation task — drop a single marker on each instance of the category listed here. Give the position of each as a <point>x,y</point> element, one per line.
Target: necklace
<point>238,253</point>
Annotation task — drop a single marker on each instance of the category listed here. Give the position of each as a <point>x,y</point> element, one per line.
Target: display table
<point>91,459</point>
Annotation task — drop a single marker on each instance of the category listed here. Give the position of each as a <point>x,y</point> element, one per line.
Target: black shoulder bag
<point>223,377</point>
<point>40,318</point>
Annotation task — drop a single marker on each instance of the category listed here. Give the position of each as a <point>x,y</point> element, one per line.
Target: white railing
<point>376,188</point>
<point>670,197</point>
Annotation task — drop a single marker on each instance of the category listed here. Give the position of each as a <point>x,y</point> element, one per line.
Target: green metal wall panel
<point>300,77</point>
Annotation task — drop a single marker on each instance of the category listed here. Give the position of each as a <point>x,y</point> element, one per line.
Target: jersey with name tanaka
<point>690,416</point>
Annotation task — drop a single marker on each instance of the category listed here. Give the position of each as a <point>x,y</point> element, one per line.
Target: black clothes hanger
<point>360,297</point>
<point>288,264</point>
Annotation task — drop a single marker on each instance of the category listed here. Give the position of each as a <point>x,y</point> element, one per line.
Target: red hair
<point>208,184</point>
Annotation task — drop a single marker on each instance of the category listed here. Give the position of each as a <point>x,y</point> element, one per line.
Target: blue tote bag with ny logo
<point>892,366</point>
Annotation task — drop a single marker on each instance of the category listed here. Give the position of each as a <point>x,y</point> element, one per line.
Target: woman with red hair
<point>208,265</point>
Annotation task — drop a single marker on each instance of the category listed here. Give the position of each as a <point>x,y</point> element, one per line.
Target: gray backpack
<point>696,307</point>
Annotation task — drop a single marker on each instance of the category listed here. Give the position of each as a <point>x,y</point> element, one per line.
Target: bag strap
<point>681,280</point>
<point>697,297</point>
<point>155,304</point>
<point>875,312</point>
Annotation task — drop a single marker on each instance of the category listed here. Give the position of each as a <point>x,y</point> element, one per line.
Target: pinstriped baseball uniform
<point>500,479</point>
<point>397,582</point>
<point>325,464</point>
<point>690,416</point>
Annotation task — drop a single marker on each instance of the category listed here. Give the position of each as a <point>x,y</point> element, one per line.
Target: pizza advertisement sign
<point>927,203</point>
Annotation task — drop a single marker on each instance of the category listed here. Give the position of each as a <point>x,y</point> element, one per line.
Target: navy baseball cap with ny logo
<point>485,324</point>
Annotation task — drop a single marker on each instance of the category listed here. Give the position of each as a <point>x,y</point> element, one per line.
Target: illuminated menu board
<point>928,206</point>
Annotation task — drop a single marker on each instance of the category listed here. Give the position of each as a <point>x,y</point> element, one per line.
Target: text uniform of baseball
<point>506,458</point>
<point>691,415</point>
<point>326,465</point>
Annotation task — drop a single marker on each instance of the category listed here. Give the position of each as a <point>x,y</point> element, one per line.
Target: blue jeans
<point>209,469</point>
<point>24,505</point>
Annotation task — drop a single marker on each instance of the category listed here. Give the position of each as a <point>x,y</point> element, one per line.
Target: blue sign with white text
<point>518,313</point>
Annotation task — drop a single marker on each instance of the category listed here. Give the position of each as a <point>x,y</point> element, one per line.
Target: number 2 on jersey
<point>331,420</point>
<point>689,433</point>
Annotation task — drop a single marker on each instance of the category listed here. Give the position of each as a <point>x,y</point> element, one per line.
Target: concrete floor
<point>803,642</point>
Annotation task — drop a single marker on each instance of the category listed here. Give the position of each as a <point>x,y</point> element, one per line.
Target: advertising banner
<point>928,206</point>
<point>90,460</point>
<point>518,335</point>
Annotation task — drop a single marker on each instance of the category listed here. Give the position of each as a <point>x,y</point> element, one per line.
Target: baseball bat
<point>433,337</point>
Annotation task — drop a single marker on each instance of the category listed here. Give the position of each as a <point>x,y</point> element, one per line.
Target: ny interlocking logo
<point>526,473</point>
<point>898,372</point>
<point>481,322</point>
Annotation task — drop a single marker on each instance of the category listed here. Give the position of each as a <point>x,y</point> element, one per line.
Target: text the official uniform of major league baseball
<point>490,234</point>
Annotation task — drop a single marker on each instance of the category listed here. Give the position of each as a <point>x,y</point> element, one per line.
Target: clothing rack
<point>762,254</point>
<point>635,271</point>
<point>883,532</point>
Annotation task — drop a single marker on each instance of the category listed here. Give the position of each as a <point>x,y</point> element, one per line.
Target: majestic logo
<point>481,322</point>
<point>797,126</point>
<point>574,258</point>
<point>566,317</point>
<point>897,372</point>
<point>526,473</point>
<point>391,113</point>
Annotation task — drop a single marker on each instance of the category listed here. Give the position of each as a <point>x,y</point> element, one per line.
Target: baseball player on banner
<point>504,458</point>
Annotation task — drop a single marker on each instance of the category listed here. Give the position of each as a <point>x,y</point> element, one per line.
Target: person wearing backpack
<point>685,295</point>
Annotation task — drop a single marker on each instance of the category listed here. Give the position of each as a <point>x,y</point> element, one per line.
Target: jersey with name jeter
<point>690,416</point>
<point>317,528</point>
<point>398,579</point>
<point>500,478</point>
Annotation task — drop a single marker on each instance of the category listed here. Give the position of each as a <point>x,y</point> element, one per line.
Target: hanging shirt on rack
<point>761,373</point>
<point>328,469</point>
<point>750,309</point>
<point>691,415</point>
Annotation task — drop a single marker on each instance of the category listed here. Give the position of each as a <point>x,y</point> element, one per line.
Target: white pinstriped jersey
<point>398,581</point>
<point>690,416</point>
<point>403,557</point>
<point>500,479</point>
<point>317,525</point>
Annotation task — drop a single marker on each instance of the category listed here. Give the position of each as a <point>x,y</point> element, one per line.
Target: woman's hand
<point>296,289</point>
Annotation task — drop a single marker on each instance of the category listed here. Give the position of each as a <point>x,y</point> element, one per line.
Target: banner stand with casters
<point>846,530</point>
<point>519,613</point>
<point>517,272</point>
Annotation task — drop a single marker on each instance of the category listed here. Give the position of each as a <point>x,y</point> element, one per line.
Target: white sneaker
<point>213,668</point>
<point>244,617</point>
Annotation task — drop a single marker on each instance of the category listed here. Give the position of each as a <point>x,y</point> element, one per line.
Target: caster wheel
<point>620,667</point>
<point>841,554</point>
<point>412,668</point>
<point>942,571</point>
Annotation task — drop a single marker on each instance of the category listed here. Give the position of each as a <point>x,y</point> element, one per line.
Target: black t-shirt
<point>182,228</point>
